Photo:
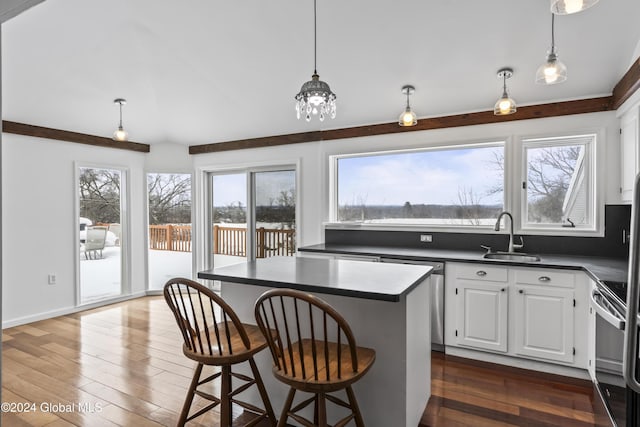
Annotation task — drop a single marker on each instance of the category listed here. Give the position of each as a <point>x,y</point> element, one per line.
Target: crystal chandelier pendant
<point>315,98</point>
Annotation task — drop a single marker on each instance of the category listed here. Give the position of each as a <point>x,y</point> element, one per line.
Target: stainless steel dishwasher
<point>437,299</point>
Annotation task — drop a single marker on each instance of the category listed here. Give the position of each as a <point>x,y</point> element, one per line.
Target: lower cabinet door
<point>543,319</point>
<point>482,315</point>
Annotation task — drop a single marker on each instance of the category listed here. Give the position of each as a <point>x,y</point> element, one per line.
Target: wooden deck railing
<point>227,240</point>
<point>170,237</point>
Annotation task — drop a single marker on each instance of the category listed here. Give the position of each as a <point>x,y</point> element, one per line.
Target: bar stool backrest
<point>298,325</point>
<point>204,318</point>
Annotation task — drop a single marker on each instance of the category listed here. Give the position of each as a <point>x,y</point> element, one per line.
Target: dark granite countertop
<point>386,282</point>
<point>599,268</point>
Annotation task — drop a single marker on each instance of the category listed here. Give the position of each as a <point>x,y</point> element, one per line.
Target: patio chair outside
<point>95,241</point>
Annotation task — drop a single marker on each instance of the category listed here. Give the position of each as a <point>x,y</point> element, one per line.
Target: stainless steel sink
<point>512,256</point>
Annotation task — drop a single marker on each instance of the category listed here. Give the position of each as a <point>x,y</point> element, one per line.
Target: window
<point>170,237</point>
<point>452,186</point>
<point>558,187</point>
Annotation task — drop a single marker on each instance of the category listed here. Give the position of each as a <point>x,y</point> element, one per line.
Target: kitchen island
<point>387,307</point>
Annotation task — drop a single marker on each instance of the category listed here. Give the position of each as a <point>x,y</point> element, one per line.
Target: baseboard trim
<point>69,310</point>
<point>516,362</point>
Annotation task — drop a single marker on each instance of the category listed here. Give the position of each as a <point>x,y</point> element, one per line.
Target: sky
<point>430,177</point>
<point>232,188</point>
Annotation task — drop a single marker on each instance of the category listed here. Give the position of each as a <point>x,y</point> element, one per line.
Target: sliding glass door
<point>253,214</point>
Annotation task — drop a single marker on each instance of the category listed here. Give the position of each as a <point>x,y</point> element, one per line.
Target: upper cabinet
<point>629,139</point>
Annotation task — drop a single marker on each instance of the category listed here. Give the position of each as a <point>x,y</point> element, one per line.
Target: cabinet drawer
<point>543,276</point>
<point>482,272</point>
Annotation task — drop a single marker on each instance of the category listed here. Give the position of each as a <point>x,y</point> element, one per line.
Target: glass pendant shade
<point>552,71</point>
<point>505,105</point>
<point>408,118</point>
<point>120,134</point>
<point>315,97</point>
<point>567,7</point>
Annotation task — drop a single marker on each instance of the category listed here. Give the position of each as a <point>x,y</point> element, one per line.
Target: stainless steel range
<point>621,402</point>
<point>617,305</point>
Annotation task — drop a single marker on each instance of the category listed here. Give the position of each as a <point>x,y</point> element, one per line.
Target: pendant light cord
<point>120,114</point>
<point>315,38</point>
<point>553,36</point>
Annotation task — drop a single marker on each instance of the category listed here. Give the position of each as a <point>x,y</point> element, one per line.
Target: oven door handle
<point>604,310</point>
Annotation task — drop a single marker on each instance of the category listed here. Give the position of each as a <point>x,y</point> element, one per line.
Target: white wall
<point>39,224</point>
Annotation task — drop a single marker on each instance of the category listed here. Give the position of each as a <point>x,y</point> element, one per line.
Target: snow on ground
<point>100,278</point>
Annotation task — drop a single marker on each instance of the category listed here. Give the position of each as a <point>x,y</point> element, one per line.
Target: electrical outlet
<point>428,238</point>
<point>51,279</point>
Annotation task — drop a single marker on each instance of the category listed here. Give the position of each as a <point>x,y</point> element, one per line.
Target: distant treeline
<point>359,213</point>
<point>237,214</point>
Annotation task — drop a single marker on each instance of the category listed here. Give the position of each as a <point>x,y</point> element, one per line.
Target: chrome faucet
<point>512,246</point>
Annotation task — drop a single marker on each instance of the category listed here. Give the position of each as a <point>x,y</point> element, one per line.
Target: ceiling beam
<point>12,8</point>
<point>627,85</point>
<point>79,138</point>
<point>539,111</point>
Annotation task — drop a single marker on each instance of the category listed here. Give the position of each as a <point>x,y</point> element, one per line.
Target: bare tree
<point>169,198</point>
<point>100,195</point>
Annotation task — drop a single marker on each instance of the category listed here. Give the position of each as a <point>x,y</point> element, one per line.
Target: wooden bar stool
<point>213,335</point>
<point>313,351</point>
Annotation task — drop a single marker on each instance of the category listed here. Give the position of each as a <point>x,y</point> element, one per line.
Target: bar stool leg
<point>282,422</point>
<point>322,410</point>
<point>263,393</point>
<point>354,407</point>
<point>192,389</point>
<point>225,403</point>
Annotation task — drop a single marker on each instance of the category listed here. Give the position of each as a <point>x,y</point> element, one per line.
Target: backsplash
<point>617,219</point>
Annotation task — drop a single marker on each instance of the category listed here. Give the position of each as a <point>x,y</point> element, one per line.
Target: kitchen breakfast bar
<point>387,307</point>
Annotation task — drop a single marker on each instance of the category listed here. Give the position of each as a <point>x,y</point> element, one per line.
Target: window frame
<point>334,222</point>
<point>594,187</point>
<point>125,258</point>
<point>513,194</point>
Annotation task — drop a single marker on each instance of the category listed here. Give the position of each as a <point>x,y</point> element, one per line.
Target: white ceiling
<point>203,71</point>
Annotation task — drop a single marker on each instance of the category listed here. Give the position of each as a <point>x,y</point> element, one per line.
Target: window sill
<point>573,232</point>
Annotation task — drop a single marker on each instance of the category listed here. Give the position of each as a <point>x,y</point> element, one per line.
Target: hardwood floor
<point>477,394</point>
<point>122,365</point>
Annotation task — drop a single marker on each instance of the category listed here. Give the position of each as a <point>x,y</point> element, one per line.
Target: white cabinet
<point>629,152</point>
<point>543,303</point>
<point>543,321</point>
<point>539,314</point>
<point>482,315</point>
<point>481,299</point>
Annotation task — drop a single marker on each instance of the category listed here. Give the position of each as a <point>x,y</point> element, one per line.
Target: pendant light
<point>408,117</point>
<point>567,7</point>
<point>553,70</point>
<point>120,134</point>
<point>504,105</point>
<point>315,96</point>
